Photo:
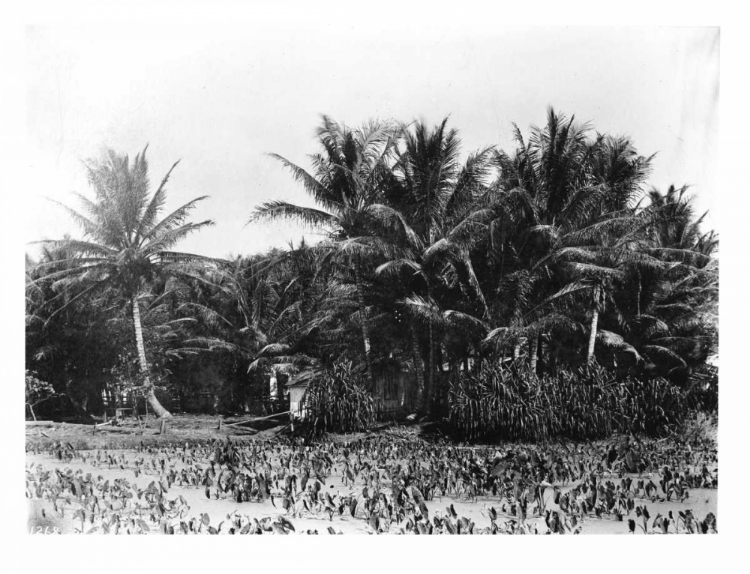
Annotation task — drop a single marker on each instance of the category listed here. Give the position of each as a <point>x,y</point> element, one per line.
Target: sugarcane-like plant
<point>588,403</point>
<point>337,400</point>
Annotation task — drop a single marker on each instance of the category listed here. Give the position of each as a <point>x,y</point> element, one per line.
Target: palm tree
<point>565,195</point>
<point>69,342</point>
<point>125,244</point>
<point>443,205</point>
<point>345,185</point>
<point>670,308</point>
<point>283,296</point>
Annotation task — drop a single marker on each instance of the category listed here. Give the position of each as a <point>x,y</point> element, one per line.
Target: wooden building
<point>393,393</point>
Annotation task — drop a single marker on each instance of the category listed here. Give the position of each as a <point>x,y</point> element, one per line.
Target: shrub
<point>700,429</point>
<point>589,403</point>
<point>338,401</point>
<point>703,389</point>
<point>37,391</point>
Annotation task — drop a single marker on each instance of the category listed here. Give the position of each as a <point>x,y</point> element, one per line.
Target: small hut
<point>297,387</point>
<point>393,390</point>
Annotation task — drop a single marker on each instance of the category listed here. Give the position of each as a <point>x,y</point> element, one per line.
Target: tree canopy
<point>555,254</point>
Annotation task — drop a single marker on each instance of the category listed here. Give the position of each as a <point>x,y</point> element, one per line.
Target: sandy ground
<point>130,432</point>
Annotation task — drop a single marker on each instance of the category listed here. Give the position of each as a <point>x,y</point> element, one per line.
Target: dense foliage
<point>37,391</point>
<point>552,257</point>
<point>588,403</point>
<point>125,247</point>
<point>337,400</point>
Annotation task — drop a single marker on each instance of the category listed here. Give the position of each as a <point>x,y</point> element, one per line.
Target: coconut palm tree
<point>670,309</point>
<point>443,202</point>
<point>565,196</point>
<point>125,245</point>
<point>345,186</point>
<point>69,342</point>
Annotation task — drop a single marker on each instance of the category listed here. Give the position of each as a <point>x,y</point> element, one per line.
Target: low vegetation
<point>590,403</point>
<point>339,401</point>
<point>387,484</point>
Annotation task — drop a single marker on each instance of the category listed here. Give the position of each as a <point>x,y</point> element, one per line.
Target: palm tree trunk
<point>419,368</point>
<point>638,296</point>
<point>534,352</point>
<point>160,411</point>
<point>431,377</point>
<point>365,328</point>
<point>592,336</point>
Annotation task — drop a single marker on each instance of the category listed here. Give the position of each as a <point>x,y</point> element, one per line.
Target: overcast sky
<point>219,99</point>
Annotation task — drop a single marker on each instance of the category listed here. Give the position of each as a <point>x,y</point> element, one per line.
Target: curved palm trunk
<point>419,368</point>
<point>592,336</point>
<point>365,328</point>
<point>160,411</point>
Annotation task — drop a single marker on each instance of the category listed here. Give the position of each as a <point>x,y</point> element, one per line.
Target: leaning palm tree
<point>125,244</point>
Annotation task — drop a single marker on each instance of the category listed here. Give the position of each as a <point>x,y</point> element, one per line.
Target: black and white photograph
<point>322,276</point>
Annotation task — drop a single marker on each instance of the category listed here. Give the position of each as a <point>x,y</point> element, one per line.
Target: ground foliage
<point>37,391</point>
<point>588,403</point>
<point>338,400</point>
<point>385,483</point>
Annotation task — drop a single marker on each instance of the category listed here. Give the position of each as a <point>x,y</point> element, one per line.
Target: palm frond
<point>167,239</point>
<point>78,246</point>
<point>463,321</point>
<point>319,192</point>
<point>148,219</point>
<point>88,226</point>
<point>209,316</point>
<point>172,222</point>
<point>274,349</point>
<point>283,211</point>
<point>653,351</point>
<point>617,342</point>
<point>397,265</point>
<point>423,310</point>
<point>392,220</point>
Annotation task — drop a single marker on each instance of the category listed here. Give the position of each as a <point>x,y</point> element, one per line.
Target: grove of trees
<point>516,265</point>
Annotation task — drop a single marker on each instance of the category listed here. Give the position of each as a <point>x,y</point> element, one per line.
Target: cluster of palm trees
<point>546,255</point>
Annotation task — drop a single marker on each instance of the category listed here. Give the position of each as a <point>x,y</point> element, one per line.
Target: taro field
<point>375,486</point>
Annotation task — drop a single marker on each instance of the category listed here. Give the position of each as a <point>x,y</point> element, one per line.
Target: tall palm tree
<point>443,202</point>
<point>564,193</point>
<point>670,309</point>
<point>345,186</point>
<point>125,244</point>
